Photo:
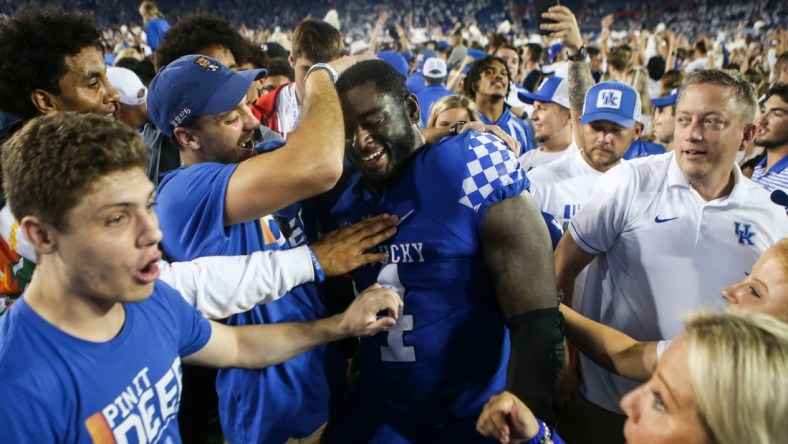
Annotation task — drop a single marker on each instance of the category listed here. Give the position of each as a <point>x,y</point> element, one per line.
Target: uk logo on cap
<point>609,98</point>
<point>613,102</point>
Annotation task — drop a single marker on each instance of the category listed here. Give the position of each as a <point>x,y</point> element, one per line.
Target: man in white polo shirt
<point>609,124</point>
<point>669,233</point>
<point>552,122</point>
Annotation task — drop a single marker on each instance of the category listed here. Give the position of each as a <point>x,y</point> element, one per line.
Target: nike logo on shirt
<point>659,221</point>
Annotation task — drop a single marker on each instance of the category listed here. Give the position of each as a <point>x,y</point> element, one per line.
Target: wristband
<point>543,437</point>
<point>320,276</point>
<point>325,66</point>
<point>455,128</point>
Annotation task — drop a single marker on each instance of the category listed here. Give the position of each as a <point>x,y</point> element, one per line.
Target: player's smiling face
<point>379,131</point>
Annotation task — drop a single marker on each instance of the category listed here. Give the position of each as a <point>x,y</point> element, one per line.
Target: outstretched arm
<point>221,286</point>
<point>517,250</point>
<point>609,348</point>
<point>257,346</point>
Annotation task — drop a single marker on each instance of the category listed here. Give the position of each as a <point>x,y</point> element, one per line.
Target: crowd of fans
<point>503,222</point>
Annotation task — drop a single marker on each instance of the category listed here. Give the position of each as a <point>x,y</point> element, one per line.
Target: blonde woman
<point>155,25</point>
<point>449,110</point>
<point>720,382</point>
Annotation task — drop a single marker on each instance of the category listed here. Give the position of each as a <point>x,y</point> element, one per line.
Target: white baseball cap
<point>130,87</point>
<point>434,68</point>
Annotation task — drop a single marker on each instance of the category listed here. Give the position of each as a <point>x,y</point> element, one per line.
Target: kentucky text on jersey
<point>401,253</point>
<point>142,410</point>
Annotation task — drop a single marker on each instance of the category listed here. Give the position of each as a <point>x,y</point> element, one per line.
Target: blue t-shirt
<point>415,82</point>
<point>254,405</point>
<point>427,97</point>
<point>59,388</point>
<point>447,353</point>
<point>154,32</point>
<point>643,148</point>
<point>514,127</point>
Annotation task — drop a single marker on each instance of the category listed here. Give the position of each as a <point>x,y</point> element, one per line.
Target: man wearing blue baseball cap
<point>609,125</point>
<point>552,122</point>
<point>665,118</point>
<point>219,203</point>
<point>415,82</point>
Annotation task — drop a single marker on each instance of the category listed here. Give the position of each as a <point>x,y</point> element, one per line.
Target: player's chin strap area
<point>536,362</point>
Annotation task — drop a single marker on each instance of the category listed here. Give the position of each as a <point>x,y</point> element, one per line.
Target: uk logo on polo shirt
<point>609,98</point>
<point>744,232</point>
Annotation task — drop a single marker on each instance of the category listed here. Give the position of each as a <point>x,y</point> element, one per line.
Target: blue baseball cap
<point>194,86</point>
<point>612,101</point>
<point>553,90</point>
<point>396,60</point>
<point>476,54</point>
<point>423,56</point>
<point>668,100</point>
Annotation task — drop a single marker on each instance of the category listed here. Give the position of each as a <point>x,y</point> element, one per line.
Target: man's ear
<point>748,134</point>
<point>186,138</point>
<point>42,236</point>
<point>639,129</point>
<point>414,110</point>
<point>43,101</point>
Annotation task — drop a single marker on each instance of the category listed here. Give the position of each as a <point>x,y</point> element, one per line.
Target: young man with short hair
<point>314,41</point>
<point>92,351</point>
<point>552,122</point>
<point>772,134</point>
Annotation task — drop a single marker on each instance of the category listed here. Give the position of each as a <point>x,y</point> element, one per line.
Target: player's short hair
<point>34,45</point>
<point>477,69</point>
<point>193,33</point>
<point>54,160</point>
<point>743,90</point>
<point>386,78</point>
<point>316,41</point>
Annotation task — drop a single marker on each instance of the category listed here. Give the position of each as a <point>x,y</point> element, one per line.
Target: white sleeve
<point>220,286</point>
<point>602,218</point>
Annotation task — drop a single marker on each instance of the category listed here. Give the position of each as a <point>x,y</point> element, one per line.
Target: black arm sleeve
<point>536,362</point>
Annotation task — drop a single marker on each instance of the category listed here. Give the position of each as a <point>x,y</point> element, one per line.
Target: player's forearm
<point>609,348</point>
<point>536,361</point>
<point>219,287</point>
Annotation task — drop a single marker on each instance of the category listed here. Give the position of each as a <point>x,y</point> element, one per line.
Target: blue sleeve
<point>190,206</point>
<point>194,331</point>
<point>492,174</point>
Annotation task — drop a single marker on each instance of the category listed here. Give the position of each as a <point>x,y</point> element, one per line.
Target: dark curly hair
<point>196,32</point>
<point>477,69</point>
<point>33,48</point>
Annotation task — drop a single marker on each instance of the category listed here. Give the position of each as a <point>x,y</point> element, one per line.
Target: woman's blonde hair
<point>451,102</point>
<point>149,10</point>
<point>738,366</point>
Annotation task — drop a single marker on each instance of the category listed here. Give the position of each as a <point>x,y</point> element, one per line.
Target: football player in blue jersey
<point>471,257</point>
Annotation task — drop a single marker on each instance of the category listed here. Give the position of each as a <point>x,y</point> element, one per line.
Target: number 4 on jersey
<point>396,351</point>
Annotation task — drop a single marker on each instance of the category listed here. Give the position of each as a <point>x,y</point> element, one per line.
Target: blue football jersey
<point>448,351</point>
